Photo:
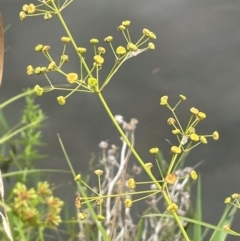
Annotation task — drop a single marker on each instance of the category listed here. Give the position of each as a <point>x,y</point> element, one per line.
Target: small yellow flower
<point>201,116</point>
<point>30,70</point>
<point>94,41</point>
<point>31,8</point>
<point>25,8</point>
<point>194,137</point>
<point>146,32</point>
<point>47,16</point>
<point>193,175</point>
<point>203,140</point>
<point>37,70</point>
<point>227,200</point>
<point>43,189</point>
<point>78,203</point>
<point>100,218</point>
<point>98,172</point>
<point>148,165</point>
<point>101,50</point>
<point>38,48</point>
<point>45,48</point>
<point>99,201</point>
<point>171,121</point>
<point>126,23</point>
<point>43,70</point>
<point>164,100</point>
<point>226,227</point>
<point>38,90</point>
<point>72,78</point>
<point>194,110</point>
<point>82,216</point>
<point>152,35</point>
<point>22,15</point>
<point>154,151</point>
<point>235,195</point>
<point>151,46</point>
<point>171,178</point>
<point>121,28</point>
<point>173,208</point>
<point>52,66</point>
<point>190,130</point>
<point>121,50</point>
<point>215,135</point>
<point>98,59</point>
<point>128,202</point>
<point>131,183</point>
<point>132,47</point>
<point>108,39</point>
<point>81,50</point>
<point>61,100</point>
<point>176,131</point>
<point>64,58</point>
<point>92,82</point>
<point>78,177</point>
<point>65,40</point>
<point>182,97</point>
<point>175,150</point>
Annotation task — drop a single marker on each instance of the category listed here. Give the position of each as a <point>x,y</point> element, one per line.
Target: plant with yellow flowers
<point>88,79</point>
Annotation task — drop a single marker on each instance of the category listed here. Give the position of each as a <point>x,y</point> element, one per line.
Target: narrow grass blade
<point>1,48</point>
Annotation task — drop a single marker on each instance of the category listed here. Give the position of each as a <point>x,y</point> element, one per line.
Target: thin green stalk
<point>142,164</point>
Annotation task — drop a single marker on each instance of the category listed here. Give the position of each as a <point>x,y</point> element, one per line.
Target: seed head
<point>82,216</point>
<point>98,172</point>
<point>22,15</point>
<point>203,140</point>
<point>176,131</point>
<point>101,50</point>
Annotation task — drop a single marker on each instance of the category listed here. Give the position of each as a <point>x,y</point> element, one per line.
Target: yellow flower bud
<point>92,82</point>
<point>176,131</point>
<point>227,200</point>
<point>61,100</point>
<point>22,15</point>
<point>94,41</point>
<point>215,135</point>
<point>81,50</point>
<point>164,100</point>
<point>98,172</point>
<point>132,47</point>
<point>65,40</point>
<point>31,8</point>
<point>47,16</point>
<point>176,150</point>
<point>37,70</point>
<point>52,66</point>
<point>131,183</point>
<point>121,28</point>
<point>38,90</point>
<point>201,115</point>
<point>72,78</point>
<point>193,175</point>
<point>154,151</point>
<point>182,97</point>
<point>203,140</point>
<point>171,178</point>
<point>121,50</point>
<point>82,216</point>
<point>45,48</point>
<point>235,195</point>
<point>108,39</point>
<point>78,177</point>
<point>148,165</point>
<point>128,202</point>
<point>173,208</point>
<point>151,46</point>
<point>43,70</point>
<point>194,111</point>
<point>194,137</point>
<point>25,8</point>
<point>152,35</point>
<point>126,23</point>
<point>101,50</point>
<point>99,201</point>
<point>100,218</point>
<point>171,121</point>
<point>30,70</point>
<point>64,58</point>
<point>98,59</point>
<point>38,48</point>
<point>146,32</point>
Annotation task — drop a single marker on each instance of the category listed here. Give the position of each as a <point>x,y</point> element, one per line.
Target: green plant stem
<point>142,164</point>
